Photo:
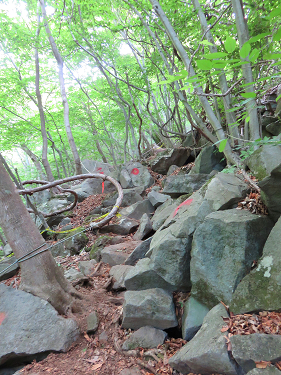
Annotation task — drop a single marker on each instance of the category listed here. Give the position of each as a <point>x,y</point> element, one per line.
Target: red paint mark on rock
<point>2,317</point>
<point>135,171</point>
<point>185,203</point>
<point>99,170</point>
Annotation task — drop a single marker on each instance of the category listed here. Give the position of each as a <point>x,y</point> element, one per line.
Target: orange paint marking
<point>2,317</point>
<point>185,203</point>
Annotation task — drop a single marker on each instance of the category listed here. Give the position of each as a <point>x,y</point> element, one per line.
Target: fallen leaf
<point>97,366</point>
<point>224,329</point>
<point>262,364</point>
<point>87,337</point>
<point>2,317</point>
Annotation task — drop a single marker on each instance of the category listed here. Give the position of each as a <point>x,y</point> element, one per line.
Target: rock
<point>143,276</point>
<point>123,226</point>
<point>7,250</point>
<point>184,184</point>
<point>162,213</point>
<point>172,169</point>
<point>139,252</point>
<point>156,199</point>
<point>130,197</point>
<point>136,210</point>
<point>264,160</point>
<point>65,221</point>
<point>92,322</point>
<point>135,174</point>
<point>269,370</point>
<point>73,274</point>
<point>75,244</point>
<point>131,371</point>
<point>152,307</point>
<point>274,127</point>
<point>208,159</point>
<point>117,254</point>
<point>174,156</point>
<point>94,166</point>
<point>224,248</point>
<point>194,313</point>
<point>103,337</point>
<point>99,244</point>
<point>87,266</point>
<point>39,330</point>
<point>11,271</point>
<point>145,337</point>
<point>58,249</point>
<point>271,194</point>
<point>119,273</point>
<point>144,229</point>
<point>248,349</point>
<point>260,290</point>
<point>206,353</point>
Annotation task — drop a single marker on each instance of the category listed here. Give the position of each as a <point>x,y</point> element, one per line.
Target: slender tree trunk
<point>243,37</point>
<point>40,275</point>
<point>45,161</point>
<point>77,161</point>
<point>35,160</point>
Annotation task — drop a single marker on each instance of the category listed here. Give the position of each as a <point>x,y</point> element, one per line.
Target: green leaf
<point>215,55</point>
<point>204,64</point>
<point>254,55</point>
<point>275,13</point>
<point>230,44</point>
<point>277,36</point>
<point>220,64</point>
<point>272,56</point>
<point>206,43</point>
<point>239,64</point>
<point>247,119</point>
<point>278,97</point>
<point>245,50</point>
<point>248,95</point>
<point>222,145</point>
<point>257,37</point>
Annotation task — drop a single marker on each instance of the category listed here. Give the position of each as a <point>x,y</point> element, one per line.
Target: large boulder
<point>139,252</point>
<point>151,307</point>
<point>260,290</point>
<point>206,353</point>
<point>184,184</point>
<point>145,337</point>
<point>135,174</point>
<point>31,327</point>
<point>130,196</point>
<point>8,268</point>
<point>122,226</point>
<point>119,273</point>
<point>209,159</point>
<point>136,210</point>
<point>271,192</point>
<point>224,248</point>
<point>156,199</point>
<point>249,349</point>
<point>264,160</point>
<point>171,244</point>
<point>172,156</point>
<point>76,243</point>
<point>194,313</point>
<point>144,229</point>
<point>117,254</point>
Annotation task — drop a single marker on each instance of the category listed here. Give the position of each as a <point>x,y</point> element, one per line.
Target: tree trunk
<point>45,161</point>
<point>35,160</point>
<point>40,275</point>
<point>77,161</point>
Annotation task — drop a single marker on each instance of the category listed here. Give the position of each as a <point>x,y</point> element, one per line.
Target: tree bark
<point>35,160</point>
<point>77,161</point>
<point>40,275</point>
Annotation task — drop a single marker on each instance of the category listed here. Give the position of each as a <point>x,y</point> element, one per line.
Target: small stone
<point>103,338</point>
<point>145,337</point>
<point>87,266</point>
<point>92,322</point>
<point>73,274</point>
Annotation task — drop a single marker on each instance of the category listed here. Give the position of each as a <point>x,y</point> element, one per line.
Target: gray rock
<point>119,273</point>
<point>274,127</point>
<point>248,349</point>
<point>172,169</point>
<point>174,156</point>
<point>38,331</point>
<point>76,243</point>
<point>145,337</point>
<point>206,353</point>
<point>136,210</point>
<point>103,338</point>
<point>130,197</point>
<point>144,229</point>
<point>156,199</point>
<point>7,250</point>
<point>271,194</point>
<point>92,322</point>
<point>152,307</point>
<point>94,166</point>
<point>184,184</point>
<point>209,159</point>
<point>264,160</point>
<point>125,179</point>
<point>224,248</point>
<point>162,213</point>
<point>87,266</point>
<point>143,276</point>
<point>123,226</point>
<point>194,313</point>
<point>73,274</point>
<point>117,254</point>
<point>131,371</point>
<point>139,252</point>
<point>260,290</point>
<point>269,370</point>
<point>138,174</point>
<point>65,221</point>
<point>58,249</point>
<point>11,271</point>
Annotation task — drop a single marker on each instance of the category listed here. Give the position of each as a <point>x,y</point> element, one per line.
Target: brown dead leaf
<point>262,364</point>
<point>224,329</point>
<point>87,337</point>
<point>97,366</point>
